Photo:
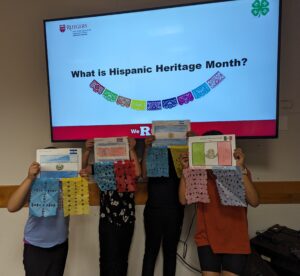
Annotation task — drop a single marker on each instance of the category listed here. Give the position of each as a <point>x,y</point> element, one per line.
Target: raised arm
<point>20,196</point>
<point>85,172</point>
<point>251,193</point>
<point>133,156</point>
<point>89,147</point>
<point>182,187</point>
<point>184,160</point>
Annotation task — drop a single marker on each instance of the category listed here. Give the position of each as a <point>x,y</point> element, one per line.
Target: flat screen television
<point>216,64</point>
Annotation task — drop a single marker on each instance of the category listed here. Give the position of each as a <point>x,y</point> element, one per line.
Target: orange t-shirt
<point>224,228</point>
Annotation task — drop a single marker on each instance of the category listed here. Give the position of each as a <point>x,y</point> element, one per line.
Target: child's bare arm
<point>182,188</point>
<point>89,147</point>
<point>251,193</point>
<point>20,196</point>
<point>184,160</point>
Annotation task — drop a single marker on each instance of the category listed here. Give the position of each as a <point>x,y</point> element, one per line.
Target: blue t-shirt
<point>47,232</point>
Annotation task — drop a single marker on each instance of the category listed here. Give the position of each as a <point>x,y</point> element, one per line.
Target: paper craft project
<point>157,162</point>
<point>44,197</point>
<point>170,132</point>
<point>176,152</point>
<point>115,148</point>
<point>207,152</point>
<point>196,186</point>
<point>230,187</point>
<point>75,196</point>
<point>59,163</point>
<point>125,176</point>
<point>104,175</point>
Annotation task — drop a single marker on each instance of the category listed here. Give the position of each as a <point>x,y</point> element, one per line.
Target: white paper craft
<point>115,148</point>
<point>170,132</point>
<point>59,163</point>
<point>209,152</point>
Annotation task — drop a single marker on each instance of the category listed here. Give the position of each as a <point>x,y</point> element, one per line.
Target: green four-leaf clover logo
<point>260,7</point>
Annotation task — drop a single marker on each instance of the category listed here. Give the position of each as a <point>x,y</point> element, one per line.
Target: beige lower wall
<point>84,249</point>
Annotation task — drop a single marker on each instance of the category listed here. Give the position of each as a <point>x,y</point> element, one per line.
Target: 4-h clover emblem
<point>260,7</point>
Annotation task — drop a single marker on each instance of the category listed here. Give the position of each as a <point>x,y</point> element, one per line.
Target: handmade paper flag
<point>176,152</point>
<point>104,175</point>
<point>44,197</point>
<point>157,162</point>
<point>171,132</point>
<point>75,196</point>
<point>208,152</point>
<point>196,186</point>
<point>230,187</point>
<point>111,149</point>
<point>125,176</point>
<point>59,163</point>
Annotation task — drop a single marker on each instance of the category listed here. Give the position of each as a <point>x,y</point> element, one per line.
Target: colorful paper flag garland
<point>169,103</point>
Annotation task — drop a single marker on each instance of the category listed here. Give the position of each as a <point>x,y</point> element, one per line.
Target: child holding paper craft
<point>163,217</point>
<point>45,238</point>
<point>117,218</point>
<point>222,231</point>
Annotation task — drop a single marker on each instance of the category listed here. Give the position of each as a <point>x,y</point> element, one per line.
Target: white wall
<point>24,122</point>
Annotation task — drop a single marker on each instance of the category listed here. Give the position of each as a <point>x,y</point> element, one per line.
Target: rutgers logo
<point>62,28</point>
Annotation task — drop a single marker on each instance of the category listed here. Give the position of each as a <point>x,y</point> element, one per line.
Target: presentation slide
<point>215,64</point>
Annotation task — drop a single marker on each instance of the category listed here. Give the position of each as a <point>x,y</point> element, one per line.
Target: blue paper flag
<point>157,162</point>
<point>44,197</point>
<point>105,175</point>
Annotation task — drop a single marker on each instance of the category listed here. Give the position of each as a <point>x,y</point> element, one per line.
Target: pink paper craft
<point>225,153</point>
<point>97,87</point>
<point>125,176</point>
<point>196,186</point>
<point>123,101</point>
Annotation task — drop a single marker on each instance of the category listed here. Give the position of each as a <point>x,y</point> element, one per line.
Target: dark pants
<point>210,261</point>
<point>45,261</point>
<point>115,244</point>
<point>162,226</point>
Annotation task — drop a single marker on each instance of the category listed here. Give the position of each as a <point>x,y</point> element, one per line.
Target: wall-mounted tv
<point>215,64</point>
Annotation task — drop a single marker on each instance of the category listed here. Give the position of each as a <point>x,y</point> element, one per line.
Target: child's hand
<point>190,133</point>
<point>84,172</point>
<point>89,144</point>
<point>34,170</point>
<point>239,156</point>
<point>149,140</point>
<point>131,142</point>
<point>184,160</point>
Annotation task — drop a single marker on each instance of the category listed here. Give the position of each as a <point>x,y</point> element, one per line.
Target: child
<point>222,231</point>
<point>117,218</point>
<point>45,238</point>
<point>163,216</point>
